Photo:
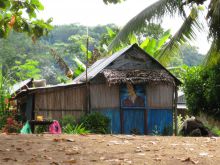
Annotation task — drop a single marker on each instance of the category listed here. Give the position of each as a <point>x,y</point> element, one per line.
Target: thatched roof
<point>138,76</point>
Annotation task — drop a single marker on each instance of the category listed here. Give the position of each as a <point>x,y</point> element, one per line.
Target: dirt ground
<point>106,149</point>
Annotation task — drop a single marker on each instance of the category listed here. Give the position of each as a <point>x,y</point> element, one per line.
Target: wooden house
<point>130,87</point>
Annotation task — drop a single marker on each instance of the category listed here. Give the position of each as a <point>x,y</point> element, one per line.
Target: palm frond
<point>213,17</point>
<point>186,32</point>
<point>213,55</point>
<point>154,11</point>
<point>62,64</point>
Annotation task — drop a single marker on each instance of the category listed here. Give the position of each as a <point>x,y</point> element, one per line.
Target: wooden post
<point>175,110</point>
<point>87,83</point>
<point>122,120</point>
<point>121,113</point>
<point>145,120</point>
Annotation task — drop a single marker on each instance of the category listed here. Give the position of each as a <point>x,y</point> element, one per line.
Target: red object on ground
<point>55,128</point>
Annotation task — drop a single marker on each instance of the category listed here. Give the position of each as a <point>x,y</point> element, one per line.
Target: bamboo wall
<point>103,96</point>
<point>56,103</point>
<point>160,96</point>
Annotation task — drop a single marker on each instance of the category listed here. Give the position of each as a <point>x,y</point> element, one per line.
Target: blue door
<point>133,105</point>
<point>133,121</point>
<point>160,122</point>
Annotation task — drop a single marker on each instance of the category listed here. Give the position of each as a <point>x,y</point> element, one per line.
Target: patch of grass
<point>77,129</point>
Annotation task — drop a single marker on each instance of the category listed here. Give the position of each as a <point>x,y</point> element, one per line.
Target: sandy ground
<point>107,149</point>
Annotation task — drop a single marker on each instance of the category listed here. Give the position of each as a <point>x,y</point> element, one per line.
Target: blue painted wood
<point>133,112</point>
<point>160,121</point>
<point>114,116</point>
<point>133,121</point>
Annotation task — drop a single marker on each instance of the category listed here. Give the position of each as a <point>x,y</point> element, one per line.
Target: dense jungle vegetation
<point>24,59</point>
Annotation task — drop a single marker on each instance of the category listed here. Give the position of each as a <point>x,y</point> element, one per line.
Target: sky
<point>95,12</point>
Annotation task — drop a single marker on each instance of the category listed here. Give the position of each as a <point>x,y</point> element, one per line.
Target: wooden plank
<point>66,98</point>
<point>160,96</point>
<point>134,121</point>
<point>103,96</point>
<point>145,121</point>
<point>58,114</point>
<point>175,111</point>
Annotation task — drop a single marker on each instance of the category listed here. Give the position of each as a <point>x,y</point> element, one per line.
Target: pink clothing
<point>55,128</point>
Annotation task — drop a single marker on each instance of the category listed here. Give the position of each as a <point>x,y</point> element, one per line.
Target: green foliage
<point>190,55</point>
<point>180,121</point>
<point>8,123</point>
<point>96,123</point>
<point>41,129</point>
<point>187,31</point>
<point>4,115</point>
<point>77,129</point>
<point>194,89</point>
<point>148,43</point>
<point>20,47</point>
<point>168,130</point>
<point>215,131</point>
<point>155,131</point>
<point>27,70</point>
<point>69,119</point>
<point>12,18</point>
<point>202,90</point>
<point>81,67</point>
<point>4,91</point>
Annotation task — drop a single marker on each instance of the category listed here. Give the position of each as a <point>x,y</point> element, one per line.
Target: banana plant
<point>4,91</point>
<point>150,45</point>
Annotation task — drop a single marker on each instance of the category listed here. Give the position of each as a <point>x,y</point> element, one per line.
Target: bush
<point>78,129</point>
<point>12,126</point>
<point>3,119</point>
<point>68,119</point>
<point>96,123</point>
<point>41,129</point>
<point>215,131</point>
<point>9,122</point>
<point>180,122</point>
<point>202,90</point>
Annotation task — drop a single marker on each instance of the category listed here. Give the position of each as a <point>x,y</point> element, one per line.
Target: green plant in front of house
<point>41,129</point>
<point>68,119</point>
<point>168,130</point>
<point>75,129</point>
<point>213,129</point>
<point>4,98</point>
<point>155,131</point>
<point>96,123</point>
<point>180,122</point>
<point>4,91</point>
<point>11,125</point>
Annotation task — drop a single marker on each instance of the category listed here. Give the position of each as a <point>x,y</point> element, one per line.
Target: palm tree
<point>192,22</point>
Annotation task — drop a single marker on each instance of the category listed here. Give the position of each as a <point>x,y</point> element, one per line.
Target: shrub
<point>96,123</point>
<point>3,119</point>
<point>12,126</point>
<point>180,122</point>
<point>78,129</point>
<point>41,129</point>
<point>215,131</point>
<point>68,119</point>
<point>202,90</point>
